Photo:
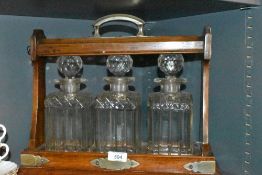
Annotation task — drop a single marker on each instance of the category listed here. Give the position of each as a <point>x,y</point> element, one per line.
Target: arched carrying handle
<point>119,17</point>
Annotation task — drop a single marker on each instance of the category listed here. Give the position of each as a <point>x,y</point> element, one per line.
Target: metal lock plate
<point>114,165</point>
<point>205,167</point>
<point>32,160</point>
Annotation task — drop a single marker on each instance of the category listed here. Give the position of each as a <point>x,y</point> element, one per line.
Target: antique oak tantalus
<point>36,161</point>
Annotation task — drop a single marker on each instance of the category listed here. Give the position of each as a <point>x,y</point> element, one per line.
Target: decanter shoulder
<point>133,95</point>
<point>163,95</point>
<point>61,99</point>
<point>169,99</point>
<point>54,99</point>
<point>84,98</point>
<point>112,94</point>
<point>185,96</point>
<point>115,100</point>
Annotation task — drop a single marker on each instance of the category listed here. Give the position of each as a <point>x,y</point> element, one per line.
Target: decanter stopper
<point>69,66</point>
<point>119,65</point>
<point>171,64</point>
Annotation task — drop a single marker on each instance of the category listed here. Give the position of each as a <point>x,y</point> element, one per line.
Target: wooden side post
<point>37,125</point>
<point>205,89</point>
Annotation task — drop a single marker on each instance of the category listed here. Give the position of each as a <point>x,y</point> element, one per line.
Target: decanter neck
<point>70,85</point>
<point>118,87</point>
<point>119,84</point>
<point>170,87</point>
<point>170,84</point>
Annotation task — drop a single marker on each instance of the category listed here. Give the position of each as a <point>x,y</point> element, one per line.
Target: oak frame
<point>41,47</point>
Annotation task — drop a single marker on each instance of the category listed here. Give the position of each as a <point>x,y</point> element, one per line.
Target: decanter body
<point>68,120</point>
<point>117,111</point>
<point>170,115</point>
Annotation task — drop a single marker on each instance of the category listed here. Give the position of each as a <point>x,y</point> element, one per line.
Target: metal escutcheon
<point>33,160</point>
<point>114,165</point>
<point>205,167</point>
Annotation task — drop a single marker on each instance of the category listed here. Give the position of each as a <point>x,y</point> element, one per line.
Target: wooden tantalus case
<point>35,161</point>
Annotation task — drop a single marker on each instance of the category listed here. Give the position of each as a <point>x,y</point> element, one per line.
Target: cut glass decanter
<point>117,110</point>
<point>69,123</point>
<point>170,111</point>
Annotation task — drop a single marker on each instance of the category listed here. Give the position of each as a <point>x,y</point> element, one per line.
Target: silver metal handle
<point>120,17</point>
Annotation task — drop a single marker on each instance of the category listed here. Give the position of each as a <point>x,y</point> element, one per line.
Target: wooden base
<point>69,163</point>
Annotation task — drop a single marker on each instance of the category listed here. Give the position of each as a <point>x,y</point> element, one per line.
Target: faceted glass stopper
<point>171,64</point>
<point>69,66</point>
<point>119,65</point>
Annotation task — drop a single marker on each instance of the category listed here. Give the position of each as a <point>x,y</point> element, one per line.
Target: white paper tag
<point>117,156</point>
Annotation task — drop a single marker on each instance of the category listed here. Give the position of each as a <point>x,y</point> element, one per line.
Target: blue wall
<point>228,79</point>
<point>228,97</point>
<point>257,93</point>
<point>227,75</point>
